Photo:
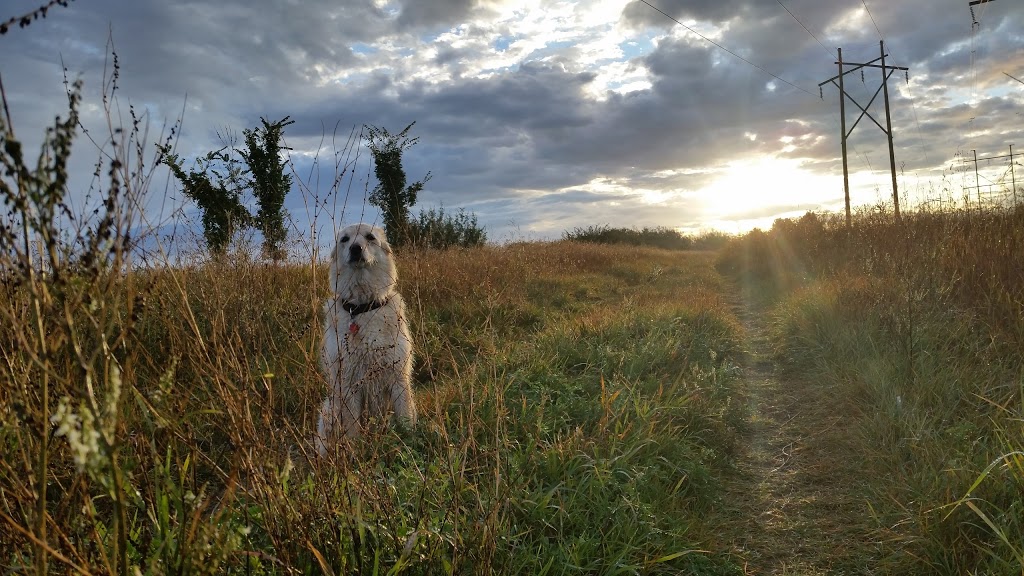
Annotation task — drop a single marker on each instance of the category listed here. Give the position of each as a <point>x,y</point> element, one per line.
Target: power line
<point>828,51</point>
<point>868,10</point>
<point>975,27</point>
<point>913,105</point>
<point>783,80</point>
<point>831,53</point>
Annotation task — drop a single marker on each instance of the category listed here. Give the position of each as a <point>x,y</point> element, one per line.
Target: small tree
<point>269,182</point>
<point>391,195</point>
<point>221,205</point>
<point>260,170</point>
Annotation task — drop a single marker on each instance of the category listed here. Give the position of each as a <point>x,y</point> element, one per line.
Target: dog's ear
<point>382,237</point>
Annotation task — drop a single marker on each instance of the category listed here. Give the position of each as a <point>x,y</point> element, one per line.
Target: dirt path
<point>792,504</point>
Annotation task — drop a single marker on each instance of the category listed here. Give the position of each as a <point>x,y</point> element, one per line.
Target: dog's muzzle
<point>355,254</point>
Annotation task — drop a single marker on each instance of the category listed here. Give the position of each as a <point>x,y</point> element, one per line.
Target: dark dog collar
<point>357,309</point>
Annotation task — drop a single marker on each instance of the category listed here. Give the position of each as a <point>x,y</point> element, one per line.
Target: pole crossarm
<point>864,109</point>
<point>965,160</point>
<point>887,67</point>
<point>858,66</point>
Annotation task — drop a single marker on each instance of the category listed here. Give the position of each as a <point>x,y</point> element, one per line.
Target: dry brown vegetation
<point>915,330</point>
<point>561,385</point>
<point>576,400</point>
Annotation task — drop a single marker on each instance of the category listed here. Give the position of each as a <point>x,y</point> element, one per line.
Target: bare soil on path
<point>792,505</point>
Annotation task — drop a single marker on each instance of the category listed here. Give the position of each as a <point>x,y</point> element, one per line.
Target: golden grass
<point>560,385</point>
<point>917,327</point>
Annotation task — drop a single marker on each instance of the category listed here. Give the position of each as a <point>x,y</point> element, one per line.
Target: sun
<point>752,192</point>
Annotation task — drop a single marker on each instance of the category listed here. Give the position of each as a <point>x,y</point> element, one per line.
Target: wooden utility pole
<point>887,129</point>
<point>842,126</point>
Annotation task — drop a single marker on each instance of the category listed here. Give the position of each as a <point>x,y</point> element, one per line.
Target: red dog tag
<point>353,328</point>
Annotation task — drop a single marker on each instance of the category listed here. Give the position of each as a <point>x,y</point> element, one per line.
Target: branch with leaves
<point>270,184</point>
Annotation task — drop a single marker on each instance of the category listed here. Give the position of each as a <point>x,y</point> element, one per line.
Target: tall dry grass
<point>157,416</point>
<point>575,401</point>
<point>918,326</point>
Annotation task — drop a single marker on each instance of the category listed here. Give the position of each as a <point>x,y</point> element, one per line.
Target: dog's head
<point>361,265</point>
<point>361,246</point>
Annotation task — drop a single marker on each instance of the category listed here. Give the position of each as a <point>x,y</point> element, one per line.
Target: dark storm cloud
<point>697,110</point>
<point>222,56</point>
<point>575,197</point>
<point>445,13</point>
<point>176,47</point>
<point>487,134</point>
<point>534,97</point>
<point>519,136</point>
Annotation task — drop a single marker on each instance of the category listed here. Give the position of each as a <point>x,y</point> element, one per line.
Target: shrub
<point>258,169</point>
<point>437,229</point>
<point>603,234</point>
<point>391,194</point>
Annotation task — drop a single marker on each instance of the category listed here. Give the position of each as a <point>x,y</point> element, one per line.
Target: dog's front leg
<point>326,428</point>
<point>403,404</point>
<point>352,408</point>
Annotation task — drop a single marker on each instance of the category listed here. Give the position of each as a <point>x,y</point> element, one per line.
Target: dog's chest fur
<point>373,329</point>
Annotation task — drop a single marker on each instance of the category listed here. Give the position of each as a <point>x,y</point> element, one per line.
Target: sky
<point>541,117</point>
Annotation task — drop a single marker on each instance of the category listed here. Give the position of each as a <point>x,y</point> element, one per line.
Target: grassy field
<point>807,400</point>
<point>915,330</point>
<point>576,401</point>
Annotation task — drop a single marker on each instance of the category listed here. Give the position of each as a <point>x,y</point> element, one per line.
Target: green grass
<point>581,404</point>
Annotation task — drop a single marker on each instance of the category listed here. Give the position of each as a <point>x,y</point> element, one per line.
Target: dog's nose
<point>355,253</point>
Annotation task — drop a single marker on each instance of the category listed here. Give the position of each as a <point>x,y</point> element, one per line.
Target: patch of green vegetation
<point>657,237</point>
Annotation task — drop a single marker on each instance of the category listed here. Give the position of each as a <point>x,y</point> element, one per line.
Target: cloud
<point>541,115</point>
<point>714,11</point>
<point>416,15</point>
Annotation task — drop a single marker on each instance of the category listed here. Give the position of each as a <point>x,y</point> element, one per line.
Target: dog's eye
<point>344,238</point>
<point>370,237</point>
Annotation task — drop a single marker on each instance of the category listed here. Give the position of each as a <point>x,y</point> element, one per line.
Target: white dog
<point>367,350</point>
